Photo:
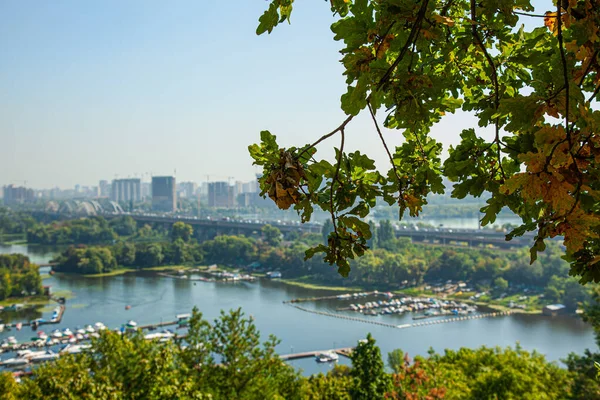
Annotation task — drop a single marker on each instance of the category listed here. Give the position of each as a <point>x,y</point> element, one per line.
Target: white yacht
<point>47,356</point>
<point>328,356</point>
<point>15,362</point>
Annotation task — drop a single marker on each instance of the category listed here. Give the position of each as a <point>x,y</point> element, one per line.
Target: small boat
<point>11,340</point>
<point>67,332</point>
<point>57,334</point>
<point>89,329</point>
<point>131,324</point>
<point>79,336</point>
<point>19,325</point>
<point>328,356</point>
<point>128,307</point>
<point>99,326</point>
<point>80,331</point>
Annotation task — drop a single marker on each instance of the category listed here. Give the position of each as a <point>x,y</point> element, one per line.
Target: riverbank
<point>313,285</point>
<point>122,271</point>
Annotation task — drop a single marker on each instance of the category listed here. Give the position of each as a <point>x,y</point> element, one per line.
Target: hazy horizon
<point>92,91</point>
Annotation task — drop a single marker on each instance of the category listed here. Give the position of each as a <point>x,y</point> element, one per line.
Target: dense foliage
<point>13,222</point>
<point>92,230</point>
<point>226,360</point>
<point>18,277</point>
<point>393,264</point>
<point>536,90</point>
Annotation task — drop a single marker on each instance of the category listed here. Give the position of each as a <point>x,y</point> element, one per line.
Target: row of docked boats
<point>410,304</point>
<point>53,338</point>
<point>26,357</point>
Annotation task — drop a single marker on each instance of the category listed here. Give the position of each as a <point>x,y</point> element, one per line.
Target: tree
<point>369,380</point>
<point>181,230</point>
<point>419,61</point>
<point>501,284</point>
<point>124,226</point>
<point>385,233</point>
<point>373,242</point>
<point>271,234</point>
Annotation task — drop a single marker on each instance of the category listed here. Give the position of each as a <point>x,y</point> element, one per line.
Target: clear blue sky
<point>91,90</point>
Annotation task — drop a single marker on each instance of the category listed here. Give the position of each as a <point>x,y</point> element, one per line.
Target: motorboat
<point>90,329</point>
<point>159,336</point>
<point>47,356</point>
<point>15,362</point>
<point>67,332</point>
<point>132,324</point>
<point>57,334</point>
<point>29,354</point>
<point>75,349</point>
<point>99,326</point>
<point>328,356</point>
<point>80,331</point>
<point>11,340</point>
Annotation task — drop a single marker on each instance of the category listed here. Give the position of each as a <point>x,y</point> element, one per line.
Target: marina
<point>154,300</point>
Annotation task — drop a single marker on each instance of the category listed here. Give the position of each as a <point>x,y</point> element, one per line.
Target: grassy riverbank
<point>160,268</point>
<point>307,283</point>
<point>26,301</point>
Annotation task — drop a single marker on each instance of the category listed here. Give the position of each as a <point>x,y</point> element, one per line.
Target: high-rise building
<point>17,195</point>
<point>250,187</point>
<point>104,188</point>
<point>126,190</point>
<point>146,190</point>
<point>187,189</point>
<point>163,193</point>
<point>220,194</point>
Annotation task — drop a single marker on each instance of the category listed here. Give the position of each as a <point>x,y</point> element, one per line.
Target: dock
<point>56,320</point>
<point>404,326</point>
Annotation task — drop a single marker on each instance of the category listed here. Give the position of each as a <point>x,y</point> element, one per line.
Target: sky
<point>134,88</point>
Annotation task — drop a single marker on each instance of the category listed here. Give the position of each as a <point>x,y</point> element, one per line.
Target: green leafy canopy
<point>420,60</point>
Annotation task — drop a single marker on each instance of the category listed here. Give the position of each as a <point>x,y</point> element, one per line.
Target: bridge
<point>468,237</point>
<point>223,226</point>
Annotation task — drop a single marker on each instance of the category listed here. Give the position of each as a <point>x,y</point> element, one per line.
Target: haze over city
<point>93,91</point>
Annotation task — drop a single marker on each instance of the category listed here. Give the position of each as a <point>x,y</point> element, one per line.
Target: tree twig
<point>387,150</point>
<point>334,179</point>
<point>411,37</point>
<point>565,73</point>
<point>494,76</point>
<point>328,135</point>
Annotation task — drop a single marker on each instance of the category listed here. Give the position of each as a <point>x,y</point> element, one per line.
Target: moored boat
<point>328,356</point>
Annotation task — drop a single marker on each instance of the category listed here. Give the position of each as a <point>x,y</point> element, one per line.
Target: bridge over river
<point>468,237</point>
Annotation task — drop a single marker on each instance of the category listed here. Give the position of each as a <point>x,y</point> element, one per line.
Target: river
<point>154,298</point>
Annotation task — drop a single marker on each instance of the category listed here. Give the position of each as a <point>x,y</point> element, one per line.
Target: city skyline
<point>94,91</point>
